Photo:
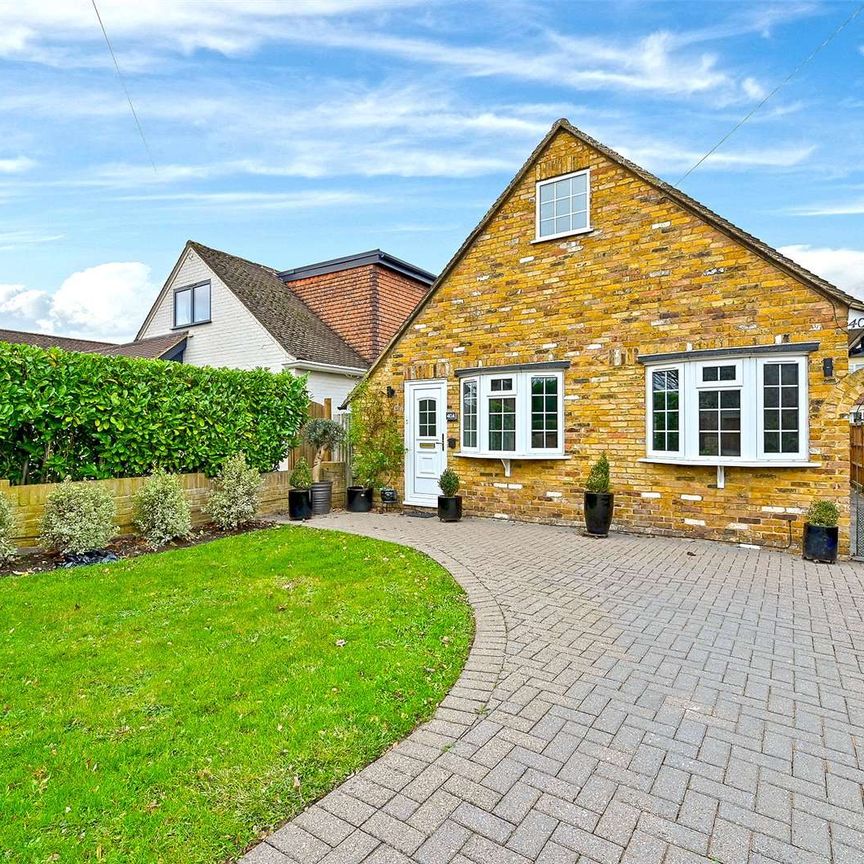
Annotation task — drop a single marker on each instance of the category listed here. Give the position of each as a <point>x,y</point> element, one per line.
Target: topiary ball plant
<point>449,483</point>
<point>598,478</point>
<point>823,514</point>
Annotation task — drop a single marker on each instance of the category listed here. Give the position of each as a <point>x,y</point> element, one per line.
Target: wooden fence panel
<point>856,454</point>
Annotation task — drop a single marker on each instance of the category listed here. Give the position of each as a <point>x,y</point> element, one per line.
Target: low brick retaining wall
<point>28,502</point>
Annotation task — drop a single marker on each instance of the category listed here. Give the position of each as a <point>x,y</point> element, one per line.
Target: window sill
<point>194,324</point>
<point>589,230</point>
<point>734,463</point>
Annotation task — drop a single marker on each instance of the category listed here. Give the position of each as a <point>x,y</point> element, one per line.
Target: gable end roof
<point>760,248</point>
<point>284,315</point>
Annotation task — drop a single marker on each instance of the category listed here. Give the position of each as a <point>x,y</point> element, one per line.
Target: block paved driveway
<point>626,700</point>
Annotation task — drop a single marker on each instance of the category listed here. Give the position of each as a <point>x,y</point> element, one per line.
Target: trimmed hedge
<point>86,416</point>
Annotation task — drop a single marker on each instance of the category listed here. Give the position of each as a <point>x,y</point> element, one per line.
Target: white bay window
<point>722,408</point>
<point>513,412</point>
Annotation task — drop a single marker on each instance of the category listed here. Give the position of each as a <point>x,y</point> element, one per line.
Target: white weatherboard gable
<point>234,338</point>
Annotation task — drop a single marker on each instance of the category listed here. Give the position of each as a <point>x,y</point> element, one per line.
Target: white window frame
<point>649,402</point>
<point>803,412</point>
<point>749,383</point>
<point>462,446</point>
<point>521,391</point>
<point>548,181</point>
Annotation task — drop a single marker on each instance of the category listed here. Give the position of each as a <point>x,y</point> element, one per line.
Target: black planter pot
<point>598,512</point>
<point>388,495</point>
<point>820,543</point>
<point>450,508</point>
<point>322,495</point>
<point>359,499</point>
<point>300,503</point>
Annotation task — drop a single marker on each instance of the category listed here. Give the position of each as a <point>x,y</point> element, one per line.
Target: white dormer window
<point>563,205</point>
<point>192,305</point>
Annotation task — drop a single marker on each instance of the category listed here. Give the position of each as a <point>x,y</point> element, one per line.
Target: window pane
<point>502,423</point>
<point>201,304</point>
<point>426,419</point>
<point>664,385</point>
<point>709,444</point>
<point>789,442</point>
<point>730,444</point>
<point>469,413</point>
<point>780,388</point>
<point>789,397</point>
<point>720,422</point>
<point>183,308</point>
<point>544,412</point>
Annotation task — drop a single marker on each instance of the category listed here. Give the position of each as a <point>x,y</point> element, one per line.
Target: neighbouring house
<point>167,347</point>
<point>328,320</point>
<point>596,308</point>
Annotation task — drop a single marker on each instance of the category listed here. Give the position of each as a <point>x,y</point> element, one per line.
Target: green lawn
<point>174,707</point>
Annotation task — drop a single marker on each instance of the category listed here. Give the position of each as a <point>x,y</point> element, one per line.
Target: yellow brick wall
<point>28,502</point>
<point>650,278</point>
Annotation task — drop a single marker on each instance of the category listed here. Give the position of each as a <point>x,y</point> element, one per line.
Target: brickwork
<point>365,305</point>
<point>28,502</point>
<point>651,277</point>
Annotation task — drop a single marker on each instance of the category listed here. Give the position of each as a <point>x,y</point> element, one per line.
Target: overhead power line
<point>824,44</point>
<point>123,85</point>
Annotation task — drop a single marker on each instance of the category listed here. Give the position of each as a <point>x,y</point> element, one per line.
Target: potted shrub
<point>323,435</point>
<point>358,498</point>
<point>300,493</point>
<point>377,447</point>
<point>449,503</point>
<point>821,532</point>
<point>599,501</point>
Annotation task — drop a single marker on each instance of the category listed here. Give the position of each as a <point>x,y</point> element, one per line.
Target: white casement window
<point>512,414</point>
<point>192,305</point>
<point>563,205</point>
<point>728,410</point>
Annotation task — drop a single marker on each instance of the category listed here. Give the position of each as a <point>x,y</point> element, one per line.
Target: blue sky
<point>289,132</point>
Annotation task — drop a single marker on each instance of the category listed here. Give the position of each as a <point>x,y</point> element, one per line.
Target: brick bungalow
<point>596,309</point>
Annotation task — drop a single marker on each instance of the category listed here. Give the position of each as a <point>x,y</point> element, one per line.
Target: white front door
<point>425,431</point>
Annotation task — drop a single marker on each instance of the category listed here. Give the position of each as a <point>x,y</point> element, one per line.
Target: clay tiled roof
<point>284,315</point>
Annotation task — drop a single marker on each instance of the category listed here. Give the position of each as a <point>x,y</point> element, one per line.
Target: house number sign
<point>452,416</point>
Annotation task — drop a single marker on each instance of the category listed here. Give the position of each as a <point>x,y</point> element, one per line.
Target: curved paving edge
<point>329,831</point>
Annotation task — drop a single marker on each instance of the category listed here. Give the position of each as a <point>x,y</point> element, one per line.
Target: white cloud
<point>662,157</point>
<point>16,166</point>
<point>20,303</point>
<point>107,302</point>
<point>41,31</point>
<point>840,208</point>
<point>842,267</point>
